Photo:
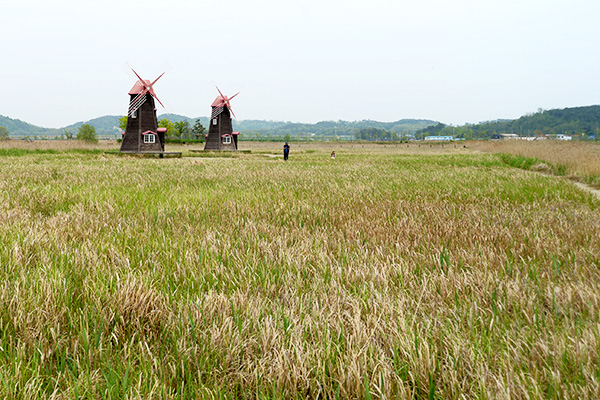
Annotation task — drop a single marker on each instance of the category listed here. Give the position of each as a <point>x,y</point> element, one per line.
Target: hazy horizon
<point>159,115</point>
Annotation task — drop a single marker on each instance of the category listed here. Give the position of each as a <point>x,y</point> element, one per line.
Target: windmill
<point>142,133</point>
<point>220,131</point>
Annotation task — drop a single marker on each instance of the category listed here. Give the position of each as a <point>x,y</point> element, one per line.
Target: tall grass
<point>370,276</point>
<point>577,160</point>
<point>57,145</point>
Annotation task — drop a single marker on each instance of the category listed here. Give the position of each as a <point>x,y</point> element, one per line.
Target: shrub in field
<point>87,133</point>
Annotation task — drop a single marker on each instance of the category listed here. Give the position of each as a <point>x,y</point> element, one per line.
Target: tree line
<point>380,134</point>
<point>176,130</point>
<point>581,122</point>
<point>108,126</point>
<point>86,133</point>
<point>333,130</point>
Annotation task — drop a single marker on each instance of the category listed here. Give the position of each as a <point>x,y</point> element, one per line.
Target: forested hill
<point>16,127</point>
<point>325,129</point>
<point>105,126</point>
<point>259,129</point>
<point>582,121</point>
<point>108,126</point>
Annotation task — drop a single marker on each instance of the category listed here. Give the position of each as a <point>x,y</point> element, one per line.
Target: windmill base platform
<point>217,151</point>
<point>160,154</point>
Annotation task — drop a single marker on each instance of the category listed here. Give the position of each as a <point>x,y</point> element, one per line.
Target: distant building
<point>439,138</point>
<point>508,136</point>
<point>513,136</point>
<point>563,137</point>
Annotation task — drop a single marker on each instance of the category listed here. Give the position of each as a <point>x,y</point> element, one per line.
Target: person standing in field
<point>286,151</point>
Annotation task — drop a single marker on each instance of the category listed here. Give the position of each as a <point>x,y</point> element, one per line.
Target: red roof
<point>235,133</point>
<point>138,87</point>
<point>218,102</point>
<point>147,132</point>
<point>162,130</point>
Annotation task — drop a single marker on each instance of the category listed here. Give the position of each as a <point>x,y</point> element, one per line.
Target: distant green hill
<point>177,118</point>
<point>575,120</point>
<point>325,129</point>
<point>108,127</point>
<point>581,121</point>
<point>16,127</point>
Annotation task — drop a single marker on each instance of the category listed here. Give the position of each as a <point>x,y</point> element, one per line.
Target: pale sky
<point>457,61</point>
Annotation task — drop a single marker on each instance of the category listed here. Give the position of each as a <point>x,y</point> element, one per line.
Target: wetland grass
<point>387,274</point>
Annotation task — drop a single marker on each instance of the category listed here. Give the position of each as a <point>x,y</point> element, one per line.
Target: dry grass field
<point>578,160</point>
<point>389,272</point>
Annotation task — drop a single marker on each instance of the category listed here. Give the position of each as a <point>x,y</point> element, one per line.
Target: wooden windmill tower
<point>142,133</point>
<point>220,131</point>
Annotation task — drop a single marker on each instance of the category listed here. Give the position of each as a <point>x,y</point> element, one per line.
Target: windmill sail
<point>136,103</point>
<point>216,111</point>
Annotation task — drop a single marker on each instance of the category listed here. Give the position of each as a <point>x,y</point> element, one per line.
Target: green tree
<point>198,130</point>
<point>3,133</point>
<point>184,129</point>
<point>123,122</point>
<point>287,137</point>
<point>171,130</point>
<point>87,133</point>
<point>68,134</point>
<point>372,134</point>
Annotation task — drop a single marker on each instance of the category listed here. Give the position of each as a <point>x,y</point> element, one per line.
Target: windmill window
<point>133,114</point>
<point>149,138</point>
<point>214,121</point>
<point>226,139</point>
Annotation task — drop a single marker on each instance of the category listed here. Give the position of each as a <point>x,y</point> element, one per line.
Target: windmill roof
<point>218,102</point>
<point>138,88</point>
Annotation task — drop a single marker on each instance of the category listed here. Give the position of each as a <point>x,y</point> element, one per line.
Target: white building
<point>439,138</point>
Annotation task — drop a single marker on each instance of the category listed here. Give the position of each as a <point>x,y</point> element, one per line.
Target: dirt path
<point>588,188</point>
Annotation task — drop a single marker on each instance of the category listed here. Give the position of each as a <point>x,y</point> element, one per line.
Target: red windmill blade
<point>222,95</point>
<point>146,87</point>
<point>226,100</point>
<point>230,109</point>
<point>143,82</point>
<point>151,90</point>
<point>229,104</point>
